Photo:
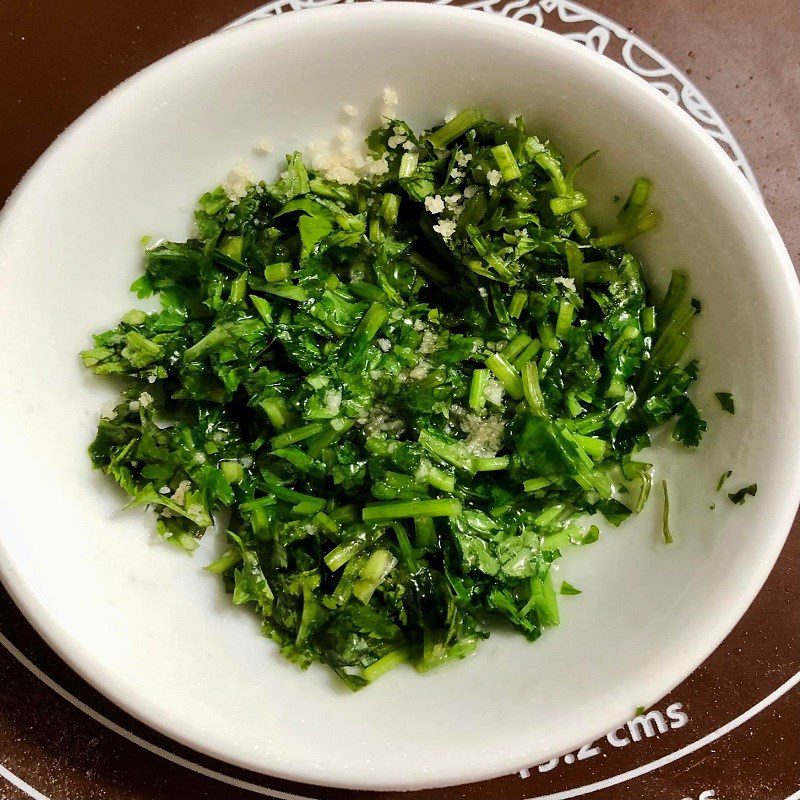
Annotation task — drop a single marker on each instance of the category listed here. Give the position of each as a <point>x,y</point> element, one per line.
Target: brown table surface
<point>57,58</point>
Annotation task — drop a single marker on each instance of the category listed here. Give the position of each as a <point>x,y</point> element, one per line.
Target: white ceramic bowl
<point>154,633</point>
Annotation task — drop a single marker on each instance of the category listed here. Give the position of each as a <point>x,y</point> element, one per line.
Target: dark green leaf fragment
<point>742,494</point>
<point>725,400</point>
<point>722,478</point>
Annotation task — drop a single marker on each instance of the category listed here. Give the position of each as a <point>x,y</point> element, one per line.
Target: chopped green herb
<point>722,478</point>
<point>740,496</point>
<point>665,516</point>
<point>404,393</point>
<point>725,400</point>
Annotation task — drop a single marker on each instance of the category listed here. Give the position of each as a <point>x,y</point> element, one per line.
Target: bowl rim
<point>682,664</point>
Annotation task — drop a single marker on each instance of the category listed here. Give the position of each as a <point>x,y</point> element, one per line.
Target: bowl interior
<point>154,632</point>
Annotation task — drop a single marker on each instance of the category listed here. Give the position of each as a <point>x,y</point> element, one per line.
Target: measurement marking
<point>678,754</point>
<point>240,784</point>
<point>639,728</point>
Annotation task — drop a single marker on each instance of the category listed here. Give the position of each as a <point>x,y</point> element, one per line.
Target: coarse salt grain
<point>493,392</point>
<point>263,147</point>
<point>434,204</point>
<point>484,436</point>
<point>494,177</point>
<point>568,282</point>
<point>470,191</point>
<point>345,167</point>
<point>429,343</point>
<point>377,167</point>
<point>343,175</point>
<point>390,97</point>
<point>333,401</point>
<point>462,159</point>
<point>384,345</point>
<point>420,371</point>
<point>350,110</point>
<point>238,180</point>
<point>179,495</point>
<point>345,135</point>
<point>445,228</point>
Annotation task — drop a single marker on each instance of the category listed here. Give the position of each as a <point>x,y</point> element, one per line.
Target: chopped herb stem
<point>506,162</point>
<point>532,390</point>
<point>477,389</point>
<point>506,374</point>
<point>516,346</point>
<point>388,662</point>
<point>527,354</point>
<point>280,271</point>
<point>387,512</point>
<point>408,165</point>
<point>625,233</point>
<point>665,516</point>
<point>518,302</point>
<point>458,126</point>
<point>636,201</point>
<point>490,464</point>
<point>296,435</point>
<point>565,205</point>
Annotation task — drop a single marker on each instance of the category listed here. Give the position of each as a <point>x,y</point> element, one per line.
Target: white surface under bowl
<point>152,631</point>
